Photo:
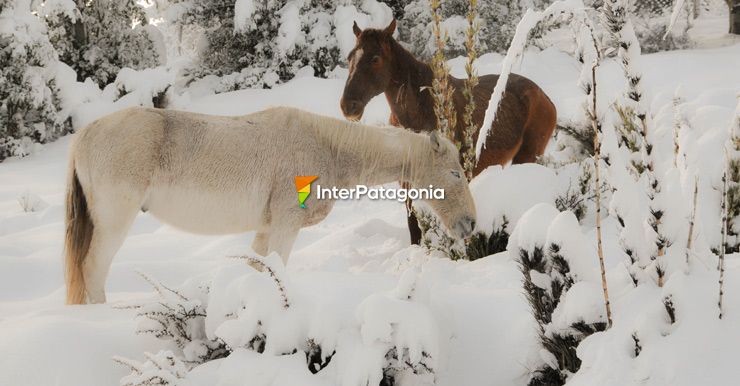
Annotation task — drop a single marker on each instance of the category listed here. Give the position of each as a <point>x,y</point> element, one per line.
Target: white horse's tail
<point>77,240</point>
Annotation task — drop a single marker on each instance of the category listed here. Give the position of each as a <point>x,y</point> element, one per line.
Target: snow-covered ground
<point>344,270</point>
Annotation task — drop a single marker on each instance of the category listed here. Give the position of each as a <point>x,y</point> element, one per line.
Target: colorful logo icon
<point>303,187</point>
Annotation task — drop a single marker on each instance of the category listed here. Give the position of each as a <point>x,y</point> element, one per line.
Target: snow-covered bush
<point>147,87</point>
<point>99,38</point>
<point>435,237</point>
<point>266,42</point>
<point>652,19</point>
<point>161,369</point>
<point>29,100</point>
<point>31,202</point>
<point>580,191</point>
<point>245,316</point>
<point>732,194</point>
<point>560,288</point>
<point>497,20</point>
<point>179,316</point>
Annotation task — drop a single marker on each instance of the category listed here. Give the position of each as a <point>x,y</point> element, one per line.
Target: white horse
<point>220,175</point>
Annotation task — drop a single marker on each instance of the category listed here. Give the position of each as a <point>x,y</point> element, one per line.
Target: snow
<point>290,27</point>
<point>243,11</point>
<point>375,15</point>
<point>350,277</point>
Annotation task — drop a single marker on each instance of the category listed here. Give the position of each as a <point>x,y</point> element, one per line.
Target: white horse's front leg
<point>260,244</point>
<point>282,238</point>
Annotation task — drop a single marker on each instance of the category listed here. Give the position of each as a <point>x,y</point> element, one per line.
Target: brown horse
<point>379,64</point>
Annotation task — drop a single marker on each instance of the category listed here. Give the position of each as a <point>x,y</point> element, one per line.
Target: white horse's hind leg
<point>111,223</point>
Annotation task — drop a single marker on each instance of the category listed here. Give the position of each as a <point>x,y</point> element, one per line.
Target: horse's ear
<point>434,139</point>
<point>391,27</point>
<point>356,29</point>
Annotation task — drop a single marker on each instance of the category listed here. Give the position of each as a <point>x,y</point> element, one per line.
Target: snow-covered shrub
<point>31,202</point>
<point>260,43</point>
<point>435,237</point>
<point>576,196</point>
<point>652,19</point>
<point>637,133</point>
<point>29,97</point>
<point>179,316</point>
<point>161,369</point>
<point>147,87</point>
<point>99,38</point>
<point>558,284</point>
<point>398,332</point>
<point>497,18</point>
<point>257,316</point>
<point>732,174</point>
<point>575,136</point>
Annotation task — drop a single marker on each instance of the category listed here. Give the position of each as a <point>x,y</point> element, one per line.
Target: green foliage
<point>582,133</point>
<point>575,198</point>
<point>435,238</point>
<point>628,133</point>
<point>561,344</point>
<point>481,245</point>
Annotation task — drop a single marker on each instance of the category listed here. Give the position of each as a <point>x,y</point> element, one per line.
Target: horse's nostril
<point>472,225</point>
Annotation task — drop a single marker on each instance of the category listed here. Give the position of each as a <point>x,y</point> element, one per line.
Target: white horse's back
<point>220,175</point>
<point>203,174</point>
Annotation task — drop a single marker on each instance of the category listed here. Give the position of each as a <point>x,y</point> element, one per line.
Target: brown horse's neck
<point>408,95</point>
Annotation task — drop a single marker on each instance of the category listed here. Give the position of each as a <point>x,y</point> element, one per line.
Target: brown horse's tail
<point>79,232</point>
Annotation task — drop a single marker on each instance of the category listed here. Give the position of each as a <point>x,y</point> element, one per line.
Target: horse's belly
<point>203,212</point>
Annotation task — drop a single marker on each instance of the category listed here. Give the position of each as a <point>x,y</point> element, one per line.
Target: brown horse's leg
<point>412,221</point>
<point>528,152</point>
<point>496,156</point>
<point>538,129</point>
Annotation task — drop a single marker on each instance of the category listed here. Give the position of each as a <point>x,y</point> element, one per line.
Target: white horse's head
<point>457,209</point>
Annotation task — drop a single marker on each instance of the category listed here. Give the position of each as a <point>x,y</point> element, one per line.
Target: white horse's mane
<point>369,143</point>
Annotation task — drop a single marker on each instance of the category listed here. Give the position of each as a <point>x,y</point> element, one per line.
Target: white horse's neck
<point>375,155</point>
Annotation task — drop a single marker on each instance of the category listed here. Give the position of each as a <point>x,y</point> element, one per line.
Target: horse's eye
<point>455,173</point>
<point>375,59</point>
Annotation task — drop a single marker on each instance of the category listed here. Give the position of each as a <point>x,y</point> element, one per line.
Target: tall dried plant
<point>590,57</point>
<point>442,91</point>
<point>468,145</point>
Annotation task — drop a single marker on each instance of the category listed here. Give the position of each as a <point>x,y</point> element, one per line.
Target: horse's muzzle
<point>464,227</point>
<point>352,109</point>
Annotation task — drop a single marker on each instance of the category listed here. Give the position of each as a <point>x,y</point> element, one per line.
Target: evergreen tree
<point>497,21</point>
<point>102,36</point>
<point>266,41</point>
<point>29,102</point>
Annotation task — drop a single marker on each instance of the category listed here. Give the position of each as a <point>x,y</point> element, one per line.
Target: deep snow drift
<point>346,274</point>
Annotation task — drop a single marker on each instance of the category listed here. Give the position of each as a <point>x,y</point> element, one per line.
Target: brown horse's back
<point>524,121</point>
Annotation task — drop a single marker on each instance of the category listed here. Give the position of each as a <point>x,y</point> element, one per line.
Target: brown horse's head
<point>369,69</point>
